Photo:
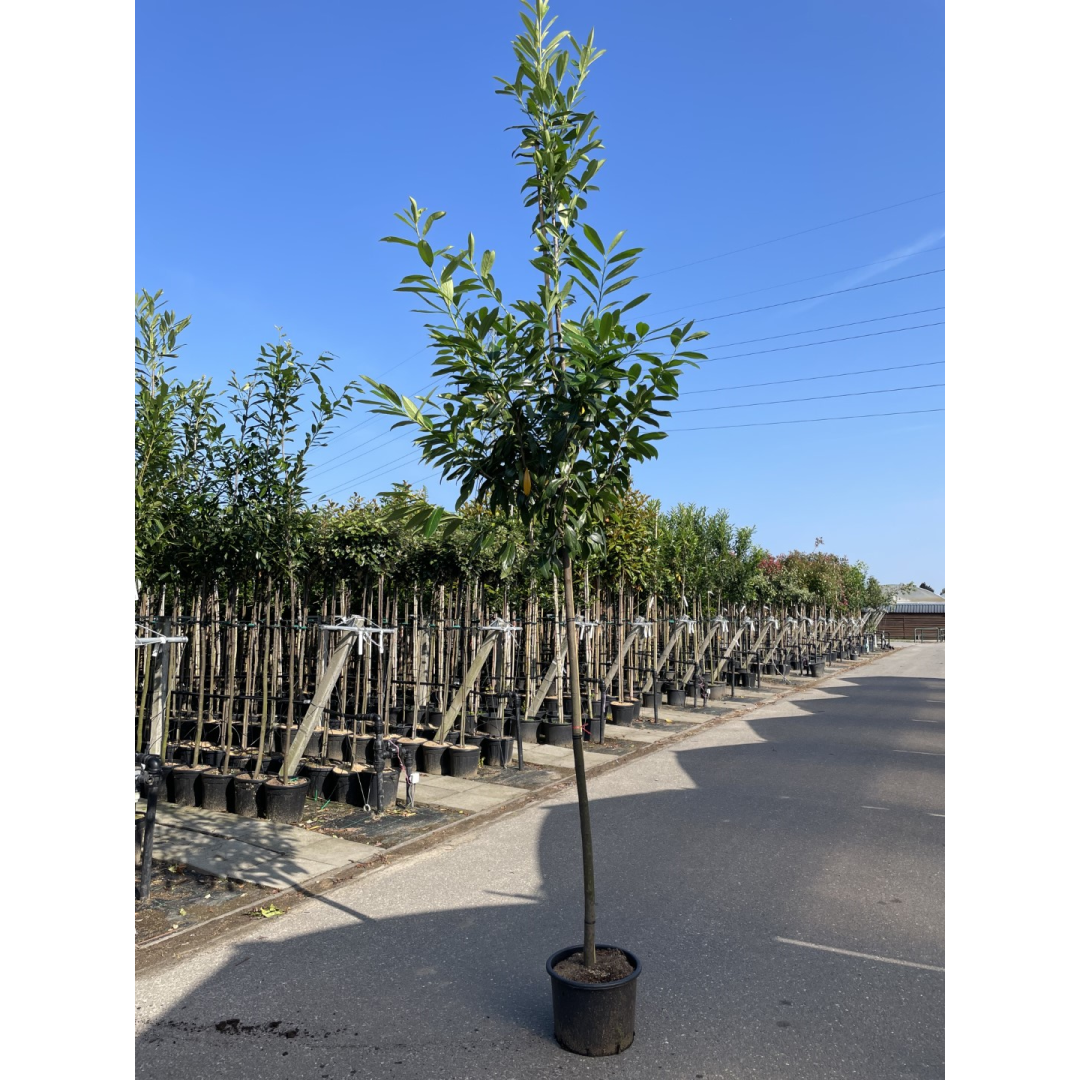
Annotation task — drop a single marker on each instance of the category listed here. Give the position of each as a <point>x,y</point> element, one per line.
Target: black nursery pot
<point>594,730</point>
<point>556,734</point>
<point>497,750</point>
<point>594,1019</point>
<point>528,730</point>
<point>430,757</point>
<point>246,795</point>
<point>317,778</point>
<point>185,778</point>
<point>285,802</point>
<point>676,697</point>
<point>335,746</point>
<point>461,760</point>
<point>216,789</point>
<point>622,712</point>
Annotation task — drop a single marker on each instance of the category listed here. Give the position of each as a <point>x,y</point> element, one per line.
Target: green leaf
<point>486,263</point>
<point>593,237</point>
<point>425,252</point>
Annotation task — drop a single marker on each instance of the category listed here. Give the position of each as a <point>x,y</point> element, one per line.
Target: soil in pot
<point>555,734</point>
<point>622,712</point>
<point>430,757</point>
<point>184,780</point>
<point>246,794</point>
<point>216,791</point>
<point>594,1009</point>
<point>475,740</point>
<point>285,799</point>
<point>461,760</point>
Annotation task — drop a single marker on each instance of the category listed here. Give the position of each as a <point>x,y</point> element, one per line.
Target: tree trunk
<point>589,950</point>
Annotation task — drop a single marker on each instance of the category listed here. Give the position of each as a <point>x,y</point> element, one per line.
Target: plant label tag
<point>414,777</point>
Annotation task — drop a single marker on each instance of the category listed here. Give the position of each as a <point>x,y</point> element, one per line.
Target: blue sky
<point>276,140</point>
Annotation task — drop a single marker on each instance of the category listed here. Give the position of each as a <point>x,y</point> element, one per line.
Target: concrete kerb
<point>154,953</point>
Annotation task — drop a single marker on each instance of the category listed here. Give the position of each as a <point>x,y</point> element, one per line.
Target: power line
<point>814,420</point>
<point>813,378</point>
<point>377,471</point>
<point>817,397</point>
<point>819,296</point>
<point>835,326</point>
<point>789,236</point>
<point>798,281</point>
<point>824,341</point>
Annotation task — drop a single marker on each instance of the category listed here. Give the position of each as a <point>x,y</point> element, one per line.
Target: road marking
<point>916,720</point>
<point>924,753</point>
<point>937,815</point>
<point>860,955</point>
<point>875,808</point>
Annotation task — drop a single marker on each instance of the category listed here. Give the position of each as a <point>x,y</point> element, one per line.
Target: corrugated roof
<point>912,596</point>
<point>916,609</point>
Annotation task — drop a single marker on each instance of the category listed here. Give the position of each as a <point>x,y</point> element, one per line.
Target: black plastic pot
<point>497,750</point>
<point>647,698</point>
<point>594,1019</point>
<point>622,712</point>
<point>335,746</point>
<point>476,739</point>
<point>184,780</point>
<point>339,785</point>
<point>284,802</point>
<point>528,730</point>
<point>594,730</point>
<point>362,786</point>
<point>183,755</point>
<point>363,749</point>
<point>555,734</point>
<point>461,760</point>
<point>551,707</point>
<point>317,777</point>
<point>637,707</point>
<point>676,697</point>
<point>490,725</point>
<point>246,798</point>
<point>430,758</point>
<point>216,790</point>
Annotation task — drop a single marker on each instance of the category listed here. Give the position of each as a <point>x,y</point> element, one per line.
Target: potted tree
<point>548,402</point>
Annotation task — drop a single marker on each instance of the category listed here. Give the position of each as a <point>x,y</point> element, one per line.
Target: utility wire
<point>813,378</point>
<point>377,471</point>
<point>797,281</point>
<point>819,296</point>
<point>824,341</point>
<point>789,236</point>
<point>821,329</point>
<point>813,420</point>
<point>817,397</point>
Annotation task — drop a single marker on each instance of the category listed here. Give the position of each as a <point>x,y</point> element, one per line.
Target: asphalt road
<point>780,877</point>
